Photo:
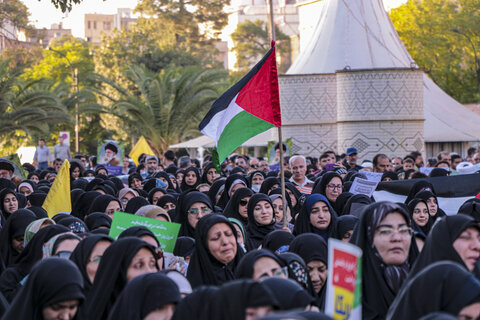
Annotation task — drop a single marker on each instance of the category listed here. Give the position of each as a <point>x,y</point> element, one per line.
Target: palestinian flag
<point>250,107</point>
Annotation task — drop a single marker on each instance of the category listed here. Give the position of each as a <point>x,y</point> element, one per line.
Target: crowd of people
<point>243,250</point>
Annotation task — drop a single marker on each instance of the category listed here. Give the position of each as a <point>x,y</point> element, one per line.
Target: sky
<point>43,13</point>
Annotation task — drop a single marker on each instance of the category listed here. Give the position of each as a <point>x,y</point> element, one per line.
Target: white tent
<point>358,34</point>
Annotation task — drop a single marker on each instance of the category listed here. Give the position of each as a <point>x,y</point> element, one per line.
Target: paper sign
<point>344,282</point>
<point>362,186</point>
<point>166,232</point>
<point>372,176</point>
<point>113,170</point>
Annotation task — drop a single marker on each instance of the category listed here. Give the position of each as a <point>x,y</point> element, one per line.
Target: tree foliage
<point>252,41</point>
<point>426,27</point>
<point>167,106</point>
<point>14,12</point>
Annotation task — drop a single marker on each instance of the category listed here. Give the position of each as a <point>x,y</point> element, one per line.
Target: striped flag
<point>250,107</point>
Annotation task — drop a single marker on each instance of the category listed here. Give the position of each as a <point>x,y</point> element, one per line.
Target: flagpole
<point>280,140</point>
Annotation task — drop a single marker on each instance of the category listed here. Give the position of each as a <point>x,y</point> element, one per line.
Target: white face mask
<point>256,188</point>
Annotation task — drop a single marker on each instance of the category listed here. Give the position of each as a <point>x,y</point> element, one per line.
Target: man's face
<point>323,162</point>
<point>455,163</point>
<point>240,162</point>
<point>152,166</point>
<point>396,162</point>
<point>60,140</point>
<point>476,158</point>
<point>299,169</point>
<point>253,163</point>
<point>41,143</point>
<point>383,165</point>
<point>109,153</point>
<point>333,158</point>
<point>407,166</point>
<point>57,165</point>
<point>419,162</point>
<point>263,166</point>
<point>6,174</point>
<point>126,162</point>
<point>352,159</point>
<point>84,161</point>
<point>447,157</point>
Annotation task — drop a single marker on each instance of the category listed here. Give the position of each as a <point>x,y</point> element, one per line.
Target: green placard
<point>166,232</point>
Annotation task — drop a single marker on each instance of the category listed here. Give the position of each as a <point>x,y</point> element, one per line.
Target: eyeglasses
<point>254,166</point>
<point>96,259</point>
<point>64,254</point>
<point>283,272</point>
<point>387,232</point>
<point>333,187</point>
<point>159,253</point>
<point>243,203</point>
<point>239,162</point>
<point>195,211</point>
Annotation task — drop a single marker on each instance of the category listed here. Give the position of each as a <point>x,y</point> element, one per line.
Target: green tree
<point>166,107</point>
<point>14,12</point>
<point>426,27</point>
<point>28,108</point>
<point>252,41</point>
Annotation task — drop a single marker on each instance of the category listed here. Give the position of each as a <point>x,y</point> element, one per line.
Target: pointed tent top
<point>352,34</point>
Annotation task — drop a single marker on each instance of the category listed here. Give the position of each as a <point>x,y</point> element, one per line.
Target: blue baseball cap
<point>351,150</point>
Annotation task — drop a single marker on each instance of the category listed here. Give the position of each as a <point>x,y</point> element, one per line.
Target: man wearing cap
<point>6,169</point>
<point>111,151</point>
<point>42,155</point>
<point>151,162</point>
<point>351,158</point>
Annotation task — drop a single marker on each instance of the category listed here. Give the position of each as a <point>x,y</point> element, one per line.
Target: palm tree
<point>29,106</point>
<point>166,107</point>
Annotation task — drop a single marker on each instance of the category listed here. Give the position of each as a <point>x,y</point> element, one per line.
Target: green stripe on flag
<point>241,128</point>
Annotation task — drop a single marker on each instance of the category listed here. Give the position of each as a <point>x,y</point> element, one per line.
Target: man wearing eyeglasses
<point>298,167</point>
<point>241,162</point>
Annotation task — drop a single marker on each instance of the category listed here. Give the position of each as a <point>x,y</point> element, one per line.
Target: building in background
<point>44,36</point>
<point>98,25</point>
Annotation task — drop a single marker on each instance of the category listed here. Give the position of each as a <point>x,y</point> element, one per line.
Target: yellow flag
<point>141,147</point>
<point>58,199</point>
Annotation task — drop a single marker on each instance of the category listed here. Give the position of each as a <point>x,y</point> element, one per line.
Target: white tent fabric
<point>358,34</point>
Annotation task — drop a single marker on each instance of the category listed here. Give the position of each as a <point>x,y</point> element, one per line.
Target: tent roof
<point>259,140</point>
<point>358,34</point>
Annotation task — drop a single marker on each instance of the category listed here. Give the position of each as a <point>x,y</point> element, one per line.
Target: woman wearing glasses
<point>192,206</point>
<point>385,236</point>
<point>331,186</point>
<point>237,205</point>
<point>87,256</point>
<point>216,253</point>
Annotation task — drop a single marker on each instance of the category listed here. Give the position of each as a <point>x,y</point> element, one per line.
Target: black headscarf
<point>245,268</point>
<point>204,269</point>
<point>80,208</point>
<point>355,204</point>
<point>80,256</point>
<point>196,305</point>
<point>209,166</point>
<point>233,298</point>
<point>268,183</point>
<point>13,228</point>
<point>417,187</point>
<point>471,208</point>
<point>341,202</point>
<point>75,225</point>
<point>256,232</point>
<point>184,187</point>
<point>137,232</point>
<point>425,195</point>
<point>185,201</point>
<point>101,203</point>
<point>52,281</point>
<point>310,247</point>
<point>439,243</point>
<point>278,241</point>
<point>11,277</point>
<point>411,207</point>
<point>163,174</point>
<point>389,174</point>
<point>443,286</point>
<point>321,187</point>
<point>97,220</point>
<point>37,198</point>
<point>111,276</point>
<point>22,200</point>
<point>135,203</point>
<point>152,192</point>
<point>3,194</point>
<point>298,195</point>
<point>288,293</point>
<point>253,174</point>
<point>216,185</point>
<point>303,224</point>
<point>144,294</point>
<point>166,199</point>
<point>222,202</point>
<point>345,224</point>
<point>380,282</point>
<point>231,210</point>
<point>39,212</point>
<point>184,247</point>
